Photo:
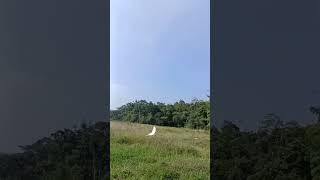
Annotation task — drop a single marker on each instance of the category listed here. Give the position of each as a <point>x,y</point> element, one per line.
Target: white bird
<point>152,132</point>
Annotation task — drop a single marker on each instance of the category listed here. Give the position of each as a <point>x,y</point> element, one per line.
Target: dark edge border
<point>212,83</point>
<point>107,13</point>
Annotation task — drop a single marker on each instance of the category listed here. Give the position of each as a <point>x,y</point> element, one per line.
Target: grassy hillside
<point>173,153</point>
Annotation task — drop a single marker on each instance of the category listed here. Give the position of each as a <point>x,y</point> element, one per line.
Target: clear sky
<point>160,50</point>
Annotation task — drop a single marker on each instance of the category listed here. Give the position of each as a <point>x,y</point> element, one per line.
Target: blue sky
<point>160,50</point>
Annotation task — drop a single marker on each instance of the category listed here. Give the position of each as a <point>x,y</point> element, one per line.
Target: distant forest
<point>195,114</point>
<point>69,154</point>
<point>278,150</point>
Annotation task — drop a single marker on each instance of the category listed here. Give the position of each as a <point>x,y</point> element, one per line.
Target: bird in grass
<point>152,132</point>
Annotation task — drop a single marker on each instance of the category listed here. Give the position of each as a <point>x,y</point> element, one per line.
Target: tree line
<point>195,114</point>
<point>278,150</point>
<point>73,154</point>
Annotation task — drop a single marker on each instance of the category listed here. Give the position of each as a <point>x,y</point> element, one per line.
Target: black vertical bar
<point>212,84</point>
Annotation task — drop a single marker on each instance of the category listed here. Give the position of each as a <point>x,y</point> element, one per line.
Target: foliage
<point>277,151</point>
<point>77,154</point>
<point>195,114</point>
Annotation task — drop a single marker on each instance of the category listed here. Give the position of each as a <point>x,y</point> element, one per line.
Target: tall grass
<point>173,153</point>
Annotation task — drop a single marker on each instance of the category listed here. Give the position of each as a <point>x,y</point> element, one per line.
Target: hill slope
<point>173,153</point>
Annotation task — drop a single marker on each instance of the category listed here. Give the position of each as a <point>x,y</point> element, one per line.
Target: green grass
<point>173,153</point>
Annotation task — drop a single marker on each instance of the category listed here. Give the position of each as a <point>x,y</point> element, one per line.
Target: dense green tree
<point>277,151</point>
<point>195,114</point>
<point>77,154</point>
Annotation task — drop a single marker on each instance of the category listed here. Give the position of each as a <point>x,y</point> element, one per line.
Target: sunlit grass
<point>173,153</point>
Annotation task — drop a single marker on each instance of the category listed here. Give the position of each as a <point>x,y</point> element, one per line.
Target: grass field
<point>173,153</point>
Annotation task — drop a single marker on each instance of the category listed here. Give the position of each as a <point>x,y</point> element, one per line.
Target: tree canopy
<point>195,114</point>
<point>277,151</point>
<point>73,154</point>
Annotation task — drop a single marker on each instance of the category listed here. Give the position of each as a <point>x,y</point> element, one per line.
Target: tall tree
<point>315,111</point>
